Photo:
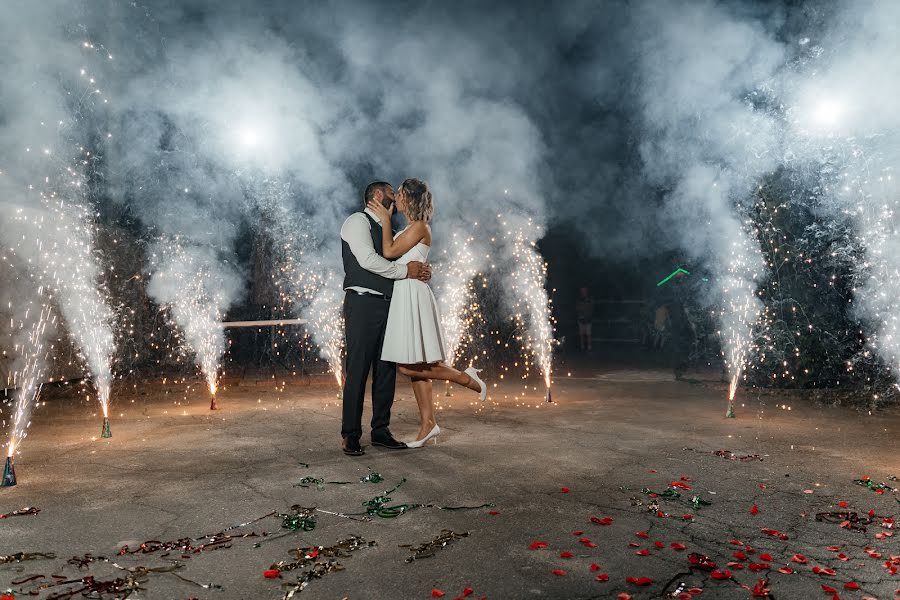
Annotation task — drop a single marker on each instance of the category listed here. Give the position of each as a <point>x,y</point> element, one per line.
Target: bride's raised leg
<point>441,371</point>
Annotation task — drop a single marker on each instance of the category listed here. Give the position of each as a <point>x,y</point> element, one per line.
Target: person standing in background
<point>584,311</point>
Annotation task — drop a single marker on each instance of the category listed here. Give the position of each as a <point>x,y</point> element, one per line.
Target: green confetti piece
<point>372,477</point>
<point>699,502</point>
<point>666,494</point>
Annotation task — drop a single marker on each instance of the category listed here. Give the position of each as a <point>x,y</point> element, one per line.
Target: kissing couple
<point>391,319</point>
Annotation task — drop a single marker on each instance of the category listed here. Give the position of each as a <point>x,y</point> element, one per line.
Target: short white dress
<point>413,334</point>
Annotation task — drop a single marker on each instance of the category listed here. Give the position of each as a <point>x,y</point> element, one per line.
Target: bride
<point>413,338</point>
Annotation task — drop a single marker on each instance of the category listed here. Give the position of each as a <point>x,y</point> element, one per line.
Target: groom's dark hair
<point>374,187</point>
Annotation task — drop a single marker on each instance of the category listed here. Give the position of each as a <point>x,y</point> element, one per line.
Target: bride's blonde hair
<point>419,206</point>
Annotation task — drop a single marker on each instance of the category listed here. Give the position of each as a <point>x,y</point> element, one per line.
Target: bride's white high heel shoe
<point>473,373</point>
<point>435,431</point>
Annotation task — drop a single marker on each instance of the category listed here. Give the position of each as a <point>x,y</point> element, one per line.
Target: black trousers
<point>365,319</point>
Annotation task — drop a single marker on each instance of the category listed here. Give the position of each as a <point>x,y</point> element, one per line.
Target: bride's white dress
<point>413,333</point>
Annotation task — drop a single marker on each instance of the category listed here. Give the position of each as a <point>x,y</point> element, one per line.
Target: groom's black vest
<point>355,275</point>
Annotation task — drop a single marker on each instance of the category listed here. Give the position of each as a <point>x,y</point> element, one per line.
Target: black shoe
<point>386,440</point>
<point>351,447</point>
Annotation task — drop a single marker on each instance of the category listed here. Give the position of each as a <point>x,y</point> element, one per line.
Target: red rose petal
<point>633,545</point>
<point>759,567</point>
<point>577,533</point>
<point>558,572</point>
<point>538,545</point>
<point>754,510</point>
<point>642,534</point>
<point>436,593</point>
<point>843,504</point>
<point>639,580</point>
<point>800,559</point>
<point>720,574</point>
<point>786,570</point>
<point>623,596</point>
<point>834,548</point>
<point>643,552</point>
<point>493,513</point>
<point>677,546</point>
<point>565,555</point>
<point>467,591</point>
<point>828,589</point>
<point>603,521</point>
<point>271,573</point>
<point>595,567</point>
<point>851,585</point>
<point>739,555</point>
<point>602,577</point>
<point>564,490</point>
<point>871,513</point>
<point>687,517</point>
<point>659,544</point>
<point>823,571</point>
<point>736,566</point>
<point>760,590</point>
<point>590,545</point>
<point>736,542</point>
<point>766,556</point>
<point>584,540</point>
<point>843,556</point>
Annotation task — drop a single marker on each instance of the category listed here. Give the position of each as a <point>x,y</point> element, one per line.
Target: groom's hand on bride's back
<point>418,270</point>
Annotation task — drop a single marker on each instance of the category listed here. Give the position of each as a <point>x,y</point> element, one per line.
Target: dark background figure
<point>681,337</point>
<point>661,322</point>
<point>584,311</point>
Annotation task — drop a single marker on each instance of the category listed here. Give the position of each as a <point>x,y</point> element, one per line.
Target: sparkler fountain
<point>185,280</point>
<point>58,236</point>
<point>456,294</point>
<point>531,308</point>
<point>740,311</point>
<point>28,379</point>
<point>306,285</point>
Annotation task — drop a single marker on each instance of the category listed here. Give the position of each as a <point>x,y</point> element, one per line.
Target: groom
<point>368,283</point>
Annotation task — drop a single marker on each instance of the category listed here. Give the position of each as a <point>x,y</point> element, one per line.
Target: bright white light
<point>248,136</point>
<point>827,112</point>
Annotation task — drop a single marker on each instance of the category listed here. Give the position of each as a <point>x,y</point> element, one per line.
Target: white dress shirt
<point>357,232</point>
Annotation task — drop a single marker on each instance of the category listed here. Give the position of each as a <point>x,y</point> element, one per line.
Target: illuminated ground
<point>178,471</point>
